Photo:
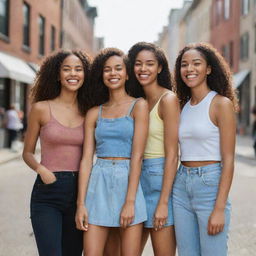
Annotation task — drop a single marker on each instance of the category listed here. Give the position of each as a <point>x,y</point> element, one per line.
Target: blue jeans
<point>53,210</point>
<point>194,195</point>
<point>151,181</point>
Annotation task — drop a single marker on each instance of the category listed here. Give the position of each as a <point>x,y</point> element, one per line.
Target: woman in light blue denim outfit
<point>110,194</point>
<point>207,142</point>
<point>151,79</point>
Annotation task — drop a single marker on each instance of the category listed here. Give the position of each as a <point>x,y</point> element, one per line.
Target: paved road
<point>16,237</point>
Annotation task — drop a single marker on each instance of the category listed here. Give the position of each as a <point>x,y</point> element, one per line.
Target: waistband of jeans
<point>153,161</point>
<point>66,174</point>
<point>201,169</point>
<point>108,162</point>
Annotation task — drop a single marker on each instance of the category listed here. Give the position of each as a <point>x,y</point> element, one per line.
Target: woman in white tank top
<point>207,143</point>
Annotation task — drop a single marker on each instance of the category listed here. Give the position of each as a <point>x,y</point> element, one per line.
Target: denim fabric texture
<point>194,194</point>
<point>106,193</point>
<point>114,136</point>
<point>53,208</point>
<point>151,182</point>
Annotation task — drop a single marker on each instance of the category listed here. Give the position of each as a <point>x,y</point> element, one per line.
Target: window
<point>245,7</point>
<point>41,24</point>
<point>26,28</point>
<point>4,17</point>
<point>226,9</point>
<point>53,38</point>
<point>218,11</point>
<point>244,46</point>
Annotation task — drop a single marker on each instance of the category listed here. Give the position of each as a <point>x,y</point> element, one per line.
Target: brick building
<point>31,29</point>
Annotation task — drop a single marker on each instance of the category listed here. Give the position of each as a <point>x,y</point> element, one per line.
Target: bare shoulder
<point>92,114</point>
<point>222,103</point>
<point>141,104</point>
<point>169,99</point>
<point>40,107</point>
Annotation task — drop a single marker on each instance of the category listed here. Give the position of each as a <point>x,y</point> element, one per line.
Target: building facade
<point>246,76</point>
<point>31,29</point>
<point>78,25</point>
<point>28,31</point>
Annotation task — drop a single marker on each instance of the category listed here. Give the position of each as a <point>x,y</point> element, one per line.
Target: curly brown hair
<point>98,91</point>
<point>47,85</point>
<point>164,78</point>
<point>219,80</point>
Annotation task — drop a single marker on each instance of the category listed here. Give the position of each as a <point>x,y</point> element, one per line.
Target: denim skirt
<point>151,182</point>
<point>107,191</point>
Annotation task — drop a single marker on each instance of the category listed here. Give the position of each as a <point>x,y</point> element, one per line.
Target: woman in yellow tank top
<point>152,79</point>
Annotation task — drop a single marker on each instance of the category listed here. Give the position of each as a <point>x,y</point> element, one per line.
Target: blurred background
<point>32,29</point>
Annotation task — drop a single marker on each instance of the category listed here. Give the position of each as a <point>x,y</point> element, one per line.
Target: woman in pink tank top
<point>57,118</point>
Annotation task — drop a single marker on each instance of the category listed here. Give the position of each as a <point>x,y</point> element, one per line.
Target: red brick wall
<point>50,10</point>
<point>223,31</point>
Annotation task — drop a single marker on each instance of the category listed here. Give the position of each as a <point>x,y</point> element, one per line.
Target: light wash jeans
<point>194,195</point>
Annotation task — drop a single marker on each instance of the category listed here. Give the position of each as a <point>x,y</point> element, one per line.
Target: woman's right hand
<point>46,175</point>
<point>81,218</point>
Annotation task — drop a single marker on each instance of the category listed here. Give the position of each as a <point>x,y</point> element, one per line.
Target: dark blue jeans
<point>53,210</point>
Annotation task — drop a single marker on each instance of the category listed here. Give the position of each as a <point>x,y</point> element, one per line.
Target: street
<point>16,236</point>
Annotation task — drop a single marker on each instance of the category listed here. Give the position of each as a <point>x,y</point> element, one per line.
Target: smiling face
<point>194,68</point>
<point>114,72</point>
<point>71,73</point>
<point>146,67</point>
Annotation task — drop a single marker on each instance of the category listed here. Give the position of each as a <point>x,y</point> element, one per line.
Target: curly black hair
<point>98,91</point>
<point>47,85</point>
<point>164,78</point>
<point>219,80</point>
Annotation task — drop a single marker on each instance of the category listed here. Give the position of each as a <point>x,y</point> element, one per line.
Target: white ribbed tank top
<point>199,138</point>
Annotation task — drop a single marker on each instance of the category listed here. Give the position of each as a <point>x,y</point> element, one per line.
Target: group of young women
<point>137,121</point>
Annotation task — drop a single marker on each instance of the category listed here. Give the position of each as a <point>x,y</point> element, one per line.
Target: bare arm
<point>169,111</point>
<point>140,114</point>
<point>34,124</point>
<point>225,118</point>
<point>85,168</point>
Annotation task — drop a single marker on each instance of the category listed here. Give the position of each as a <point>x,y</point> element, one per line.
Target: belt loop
<point>199,171</point>
<point>188,171</point>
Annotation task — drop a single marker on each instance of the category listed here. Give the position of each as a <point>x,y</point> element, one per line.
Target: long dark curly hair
<point>164,78</point>
<point>219,80</point>
<point>47,85</point>
<point>98,91</point>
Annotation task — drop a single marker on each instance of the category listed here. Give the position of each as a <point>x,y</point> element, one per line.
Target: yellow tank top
<point>155,142</point>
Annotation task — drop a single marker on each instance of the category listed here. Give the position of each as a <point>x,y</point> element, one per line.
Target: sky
<point>123,23</point>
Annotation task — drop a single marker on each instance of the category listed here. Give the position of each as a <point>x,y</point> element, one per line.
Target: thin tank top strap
<point>50,110</point>
<point>162,96</point>
<point>132,106</point>
<point>155,108</point>
<point>100,112</point>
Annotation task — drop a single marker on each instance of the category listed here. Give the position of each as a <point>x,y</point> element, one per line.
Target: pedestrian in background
<point>57,118</point>
<point>254,129</point>
<point>110,195</point>
<point>151,79</point>
<point>13,125</point>
<point>207,144</point>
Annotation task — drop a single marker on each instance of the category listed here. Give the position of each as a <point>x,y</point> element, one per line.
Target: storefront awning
<point>16,69</point>
<point>240,77</point>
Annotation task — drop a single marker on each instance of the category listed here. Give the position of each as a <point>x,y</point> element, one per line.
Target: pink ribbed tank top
<point>61,146</point>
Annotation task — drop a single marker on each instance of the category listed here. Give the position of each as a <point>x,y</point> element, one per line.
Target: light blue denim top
<point>114,135</point>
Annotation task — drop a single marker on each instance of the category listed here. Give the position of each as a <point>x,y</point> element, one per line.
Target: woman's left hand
<point>127,214</point>
<point>160,216</point>
<point>216,222</point>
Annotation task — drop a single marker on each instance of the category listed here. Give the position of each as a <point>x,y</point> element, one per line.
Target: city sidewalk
<point>243,148</point>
